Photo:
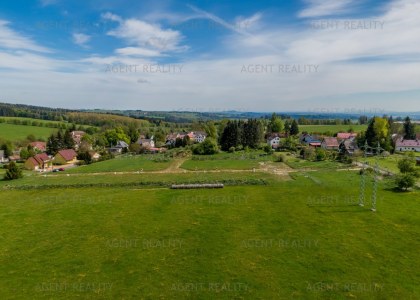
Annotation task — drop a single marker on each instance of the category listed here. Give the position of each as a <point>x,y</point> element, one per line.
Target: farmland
<point>269,237</point>
<point>13,132</point>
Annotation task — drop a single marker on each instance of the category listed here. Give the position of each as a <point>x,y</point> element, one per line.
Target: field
<point>331,128</point>
<point>13,132</point>
<point>223,161</point>
<point>126,164</point>
<point>263,236</point>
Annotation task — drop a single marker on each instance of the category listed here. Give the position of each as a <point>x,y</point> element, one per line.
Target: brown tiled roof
<point>68,154</point>
<point>33,161</point>
<point>331,142</point>
<point>39,145</point>
<point>41,158</point>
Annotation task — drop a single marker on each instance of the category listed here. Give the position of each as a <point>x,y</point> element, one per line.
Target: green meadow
<point>13,132</point>
<point>126,164</point>
<point>263,236</point>
<point>331,128</point>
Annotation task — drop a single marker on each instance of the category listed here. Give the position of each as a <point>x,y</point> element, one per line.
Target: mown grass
<point>126,164</point>
<point>13,132</point>
<point>227,161</point>
<point>304,239</point>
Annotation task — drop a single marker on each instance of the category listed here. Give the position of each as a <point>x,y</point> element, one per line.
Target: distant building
<point>38,162</point>
<point>119,148</point>
<point>407,145</point>
<point>307,139</point>
<point>146,143</point>
<point>330,143</point>
<point>273,140</point>
<point>346,135</point>
<point>77,138</point>
<point>199,136</point>
<point>2,157</point>
<point>40,146</point>
<point>348,147</point>
<point>67,156</point>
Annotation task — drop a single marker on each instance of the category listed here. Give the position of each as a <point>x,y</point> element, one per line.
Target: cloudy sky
<point>201,55</point>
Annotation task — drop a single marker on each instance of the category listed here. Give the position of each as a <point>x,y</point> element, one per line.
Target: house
<point>273,140</point>
<point>67,156</point>
<point>330,143</point>
<point>15,158</point>
<point>77,137</point>
<point>346,135</point>
<point>2,157</point>
<point>315,144</point>
<point>348,146</point>
<point>94,155</point>
<point>171,139</point>
<point>418,161</point>
<point>307,139</point>
<point>146,143</point>
<point>38,162</point>
<point>199,136</point>
<point>119,148</point>
<point>407,145</point>
<point>39,146</point>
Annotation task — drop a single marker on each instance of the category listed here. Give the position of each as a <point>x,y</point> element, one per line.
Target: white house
<point>273,141</point>
<point>407,145</point>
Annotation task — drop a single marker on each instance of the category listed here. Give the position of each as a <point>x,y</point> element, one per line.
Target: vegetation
<point>12,172</point>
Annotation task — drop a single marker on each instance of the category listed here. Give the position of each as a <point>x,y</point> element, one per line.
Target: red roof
<point>407,143</point>
<point>346,135</point>
<point>33,161</point>
<point>42,146</point>
<point>331,142</point>
<point>41,158</point>
<point>68,154</point>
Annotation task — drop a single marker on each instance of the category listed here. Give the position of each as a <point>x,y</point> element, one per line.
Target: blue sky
<point>272,55</point>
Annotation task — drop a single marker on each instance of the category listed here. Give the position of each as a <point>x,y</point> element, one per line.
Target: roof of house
<point>331,142</point>
<point>78,132</point>
<point>39,145</point>
<point>407,143</point>
<point>41,158</point>
<point>315,144</point>
<point>68,154</point>
<point>346,135</point>
<point>33,161</point>
<point>121,144</point>
<point>350,144</point>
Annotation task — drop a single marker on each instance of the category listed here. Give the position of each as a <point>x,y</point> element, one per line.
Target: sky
<point>202,55</point>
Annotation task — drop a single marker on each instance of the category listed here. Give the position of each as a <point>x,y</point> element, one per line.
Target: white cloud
<point>48,2</point>
<point>81,39</point>
<point>149,39</point>
<point>320,8</point>
<point>11,39</point>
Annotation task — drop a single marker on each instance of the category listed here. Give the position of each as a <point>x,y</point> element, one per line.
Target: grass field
<point>331,128</point>
<point>223,161</point>
<point>291,239</point>
<point>125,164</point>
<point>13,132</point>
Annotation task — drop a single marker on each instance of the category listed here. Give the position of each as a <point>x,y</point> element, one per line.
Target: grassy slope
<point>124,164</point>
<point>182,244</point>
<point>19,132</point>
<point>331,128</point>
<point>232,161</point>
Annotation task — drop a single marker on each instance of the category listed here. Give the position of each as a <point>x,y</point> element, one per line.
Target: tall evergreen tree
<point>294,128</point>
<point>409,129</point>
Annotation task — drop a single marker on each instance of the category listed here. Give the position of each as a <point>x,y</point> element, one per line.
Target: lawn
<point>331,128</point>
<point>13,132</point>
<point>291,239</point>
<point>227,161</point>
<point>126,164</point>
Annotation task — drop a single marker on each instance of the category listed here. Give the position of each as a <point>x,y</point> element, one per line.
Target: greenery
<point>13,132</point>
<point>207,147</point>
<point>12,172</point>
<point>157,242</point>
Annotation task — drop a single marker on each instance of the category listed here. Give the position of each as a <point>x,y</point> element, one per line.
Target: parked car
<point>55,170</point>
<point>61,169</point>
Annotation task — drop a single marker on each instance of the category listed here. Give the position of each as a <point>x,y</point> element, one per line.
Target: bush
<point>208,147</point>
<point>405,181</point>
<point>320,154</point>
<point>232,150</point>
<point>280,158</point>
<point>12,172</point>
